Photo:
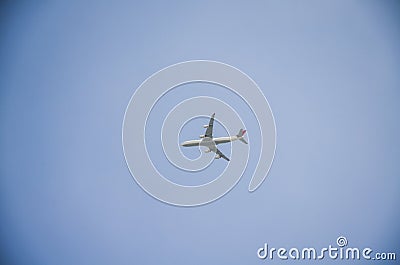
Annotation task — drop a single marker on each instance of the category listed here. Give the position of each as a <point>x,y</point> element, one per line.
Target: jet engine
<point>205,126</point>
<point>202,136</point>
<point>217,156</point>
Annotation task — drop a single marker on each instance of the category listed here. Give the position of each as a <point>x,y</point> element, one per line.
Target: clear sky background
<point>329,69</point>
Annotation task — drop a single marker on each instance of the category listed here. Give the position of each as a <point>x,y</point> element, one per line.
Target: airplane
<point>211,143</point>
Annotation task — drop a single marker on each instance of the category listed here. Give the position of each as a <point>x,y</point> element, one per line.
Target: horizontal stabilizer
<point>240,136</point>
<point>243,140</point>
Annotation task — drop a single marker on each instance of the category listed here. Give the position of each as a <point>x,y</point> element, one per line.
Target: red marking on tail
<point>244,131</point>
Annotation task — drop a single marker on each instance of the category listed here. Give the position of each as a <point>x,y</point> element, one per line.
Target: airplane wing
<point>222,155</point>
<point>209,130</point>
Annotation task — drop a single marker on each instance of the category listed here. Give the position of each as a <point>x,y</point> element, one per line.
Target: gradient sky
<point>329,69</point>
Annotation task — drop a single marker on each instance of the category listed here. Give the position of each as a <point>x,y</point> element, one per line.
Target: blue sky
<point>329,70</point>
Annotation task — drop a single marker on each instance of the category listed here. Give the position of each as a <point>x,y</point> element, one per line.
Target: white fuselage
<point>210,143</point>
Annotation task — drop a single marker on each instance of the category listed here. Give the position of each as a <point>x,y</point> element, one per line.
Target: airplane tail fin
<point>240,136</point>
